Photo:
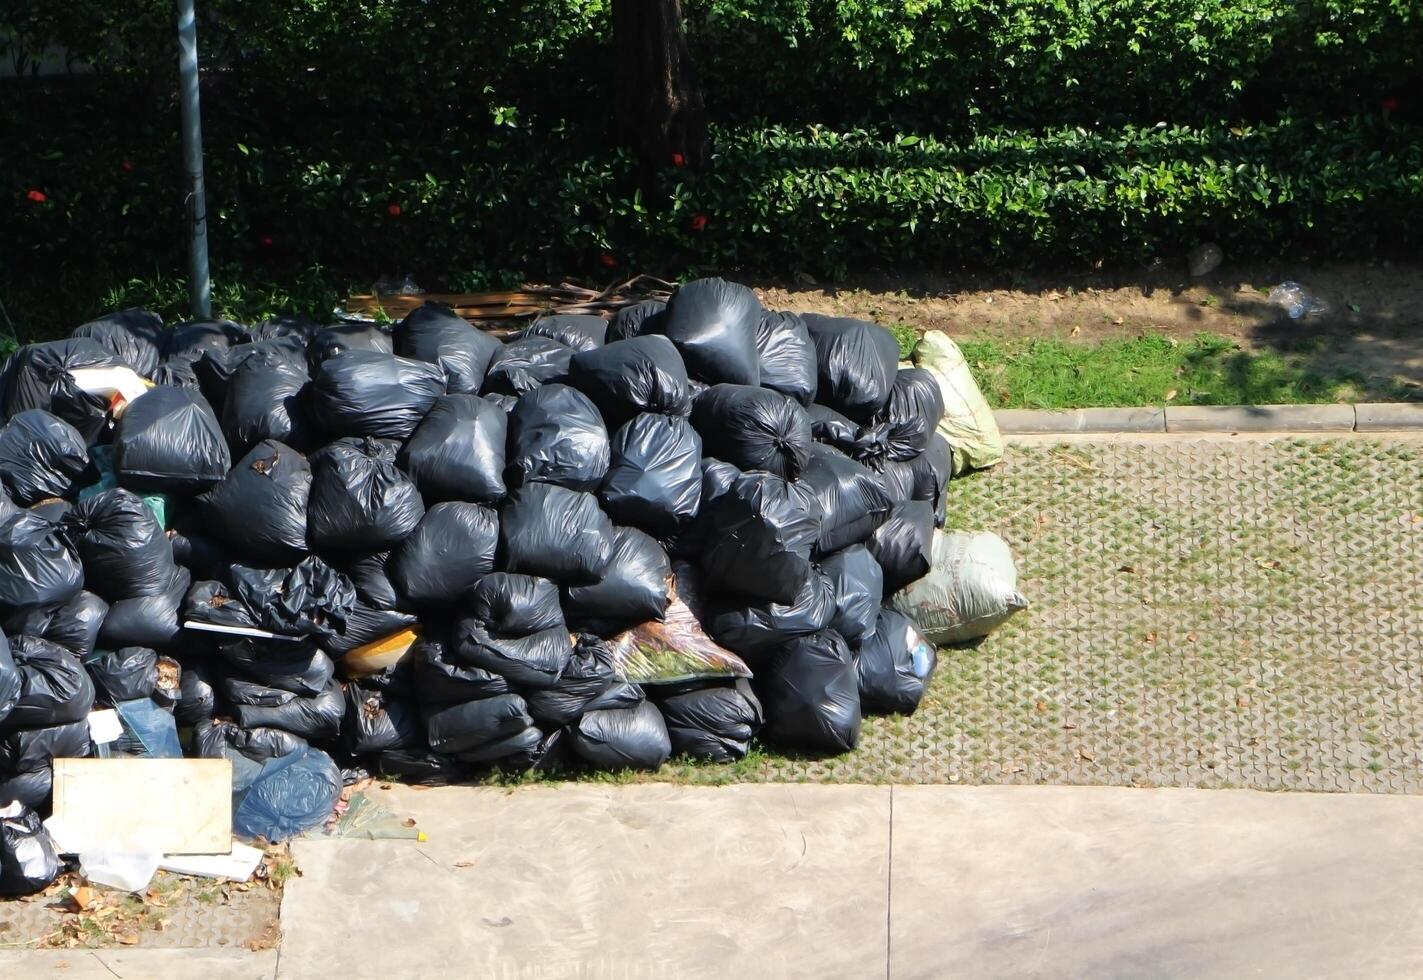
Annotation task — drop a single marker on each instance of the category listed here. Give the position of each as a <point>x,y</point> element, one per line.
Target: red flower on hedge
<point>678,160</point>
<point>609,260</point>
<point>37,196</point>
<point>698,222</point>
<point>127,166</point>
<point>1389,104</point>
<point>267,240</point>
<point>394,210</point>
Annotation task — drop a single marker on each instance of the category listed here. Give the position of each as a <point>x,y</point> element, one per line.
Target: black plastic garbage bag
<point>259,510</point>
<point>420,767</point>
<point>894,665</point>
<point>133,336</point>
<point>759,536</point>
<point>261,706</point>
<point>898,481</point>
<point>858,582</point>
<point>581,331</point>
<point>377,722</point>
<point>301,328</point>
<point>215,369</point>
<point>451,549</point>
<point>522,750</point>
<point>366,624</point>
<point>713,723</point>
<point>73,625</point>
<point>198,336</point>
<point>301,668</point>
<point>41,456</point>
<point>853,500</point>
<point>788,363</point>
<point>28,858</point>
<point>713,323</point>
<point>856,364</point>
<point>754,429</point>
<point>644,374</point>
<point>364,393</point>
<point>438,335</point>
<point>27,756</point>
<point>589,674</point>
<point>121,544</point>
<point>903,545</point>
<point>556,436</point>
<point>37,376</point>
<point>516,605</point>
<point>460,727</point>
<point>811,695</point>
<point>123,675</point>
<point>197,699</point>
<point>557,533</point>
<point>521,366</point>
<point>10,682</point>
<point>654,481</point>
<point>623,738</point>
<point>213,602</point>
<point>52,510</point>
<point>178,372</point>
<point>267,399</point>
<point>505,403</point>
<point>54,687</point>
<point>690,539</point>
<point>753,628</point>
<point>912,412</point>
<point>338,338</point>
<point>533,660</point>
<point>38,567</point>
<point>281,786</point>
<point>205,557</point>
<point>637,320</point>
<point>147,621</point>
<point>309,599</point>
<point>635,588</point>
<point>168,441</point>
<point>441,678</point>
<point>933,469</point>
<point>360,501</point>
<point>457,451</point>
<point>370,574</point>
<point>867,444</point>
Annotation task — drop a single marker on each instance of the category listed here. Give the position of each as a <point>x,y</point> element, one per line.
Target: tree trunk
<point>659,109</point>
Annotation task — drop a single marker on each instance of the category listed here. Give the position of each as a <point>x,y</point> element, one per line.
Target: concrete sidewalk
<point>843,881</point>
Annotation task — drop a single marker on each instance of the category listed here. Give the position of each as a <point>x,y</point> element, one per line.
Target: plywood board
<point>162,806</point>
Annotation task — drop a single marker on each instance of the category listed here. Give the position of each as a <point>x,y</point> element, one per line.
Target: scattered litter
<point>1296,300</point>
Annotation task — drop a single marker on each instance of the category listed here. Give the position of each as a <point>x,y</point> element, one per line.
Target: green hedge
<point>911,131</point>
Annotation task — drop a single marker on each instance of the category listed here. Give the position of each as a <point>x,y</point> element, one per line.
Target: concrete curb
<point>1368,417</point>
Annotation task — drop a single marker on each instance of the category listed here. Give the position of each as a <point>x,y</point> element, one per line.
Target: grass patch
<point>1154,370</point>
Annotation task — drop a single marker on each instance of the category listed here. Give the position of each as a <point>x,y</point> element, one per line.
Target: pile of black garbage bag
<point>611,542</point>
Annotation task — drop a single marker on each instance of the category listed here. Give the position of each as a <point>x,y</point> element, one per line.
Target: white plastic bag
<point>968,423</point>
<point>971,589</point>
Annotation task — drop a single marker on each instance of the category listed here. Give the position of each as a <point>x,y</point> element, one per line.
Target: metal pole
<point>199,283</point>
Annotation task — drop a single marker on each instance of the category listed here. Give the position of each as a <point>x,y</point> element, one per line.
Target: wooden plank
<point>134,806</point>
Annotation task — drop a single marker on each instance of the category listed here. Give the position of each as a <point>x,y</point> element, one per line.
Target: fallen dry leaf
<point>1129,569</point>
<point>1011,767</point>
<point>464,864</point>
<point>1084,755</point>
<point>1117,321</point>
<point>1075,331</point>
<point>409,821</point>
<point>1270,564</point>
<point>1171,395</point>
<point>128,939</point>
<point>1191,637</point>
<point>1069,726</point>
<point>1150,637</point>
<point>1040,706</point>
